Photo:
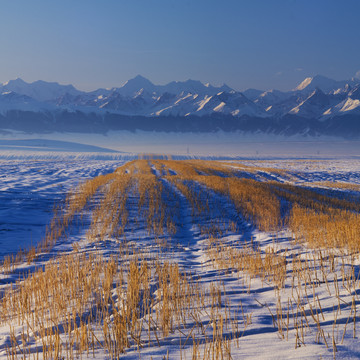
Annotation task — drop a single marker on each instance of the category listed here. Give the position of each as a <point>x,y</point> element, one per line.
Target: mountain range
<point>318,105</point>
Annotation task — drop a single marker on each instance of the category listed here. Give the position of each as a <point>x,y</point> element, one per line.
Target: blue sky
<point>243,43</point>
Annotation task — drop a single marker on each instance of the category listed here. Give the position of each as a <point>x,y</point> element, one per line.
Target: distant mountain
<point>272,97</point>
<point>324,84</point>
<point>355,92</point>
<point>317,105</point>
<point>133,86</point>
<point>252,94</point>
<point>347,106</point>
<point>193,87</point>
<point>38,90</point>
<point>10,100</point>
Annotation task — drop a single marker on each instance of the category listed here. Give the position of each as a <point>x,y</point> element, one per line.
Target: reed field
<point>191,259</point>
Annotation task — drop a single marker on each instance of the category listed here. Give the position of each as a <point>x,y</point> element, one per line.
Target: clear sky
<point>243,43</point>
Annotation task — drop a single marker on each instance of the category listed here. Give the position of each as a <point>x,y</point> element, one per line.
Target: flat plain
<point>157,258</point>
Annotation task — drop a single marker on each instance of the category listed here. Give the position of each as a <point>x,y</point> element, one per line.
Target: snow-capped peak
<point>350,104</point>
<point>314,97</point>
<point>304,83</point>
<point>314,105</point>
<point>17,82</point>
<point>325,84</point>
<point>39,90</point>
<point>138,81</point>
<point>133,86</point>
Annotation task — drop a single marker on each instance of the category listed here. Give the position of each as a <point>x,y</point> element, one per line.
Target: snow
<point>10,100</point>
<point>39,90</point>
<point>325,84</point>
<point>252,94</point>
<point>304,83</point>
<point>37,171</point>
<point>29,188</point>
<point>350,104</point>
<point>313,106</point>
<point>203,102</point>
<point>277,102</point>
<point>131,87</point>
<point>343,108</point>
<point>219,107</point>
<point>139,96</point>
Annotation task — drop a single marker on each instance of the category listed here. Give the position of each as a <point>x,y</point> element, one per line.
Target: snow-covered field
<point>30,188</point>
<point>320,322</point>
<point>341,169</point>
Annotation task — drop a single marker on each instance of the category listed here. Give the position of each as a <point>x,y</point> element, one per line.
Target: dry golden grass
<point>320,219</point>
<point>110,217</point>
<point>88,302</point>
<point>253,200</point>
<point>79,304</point>
<point>331,229</point>
<point>256,169</point>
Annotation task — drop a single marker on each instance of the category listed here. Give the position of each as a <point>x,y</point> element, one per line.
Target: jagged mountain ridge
<point>314,100</point>
<point>38,90</point>
<point>139,96</point>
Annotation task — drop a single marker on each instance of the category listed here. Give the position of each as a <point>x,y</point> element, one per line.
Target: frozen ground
<point>32,186</point>
<point>343,169</point>
<point>29,189</point>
